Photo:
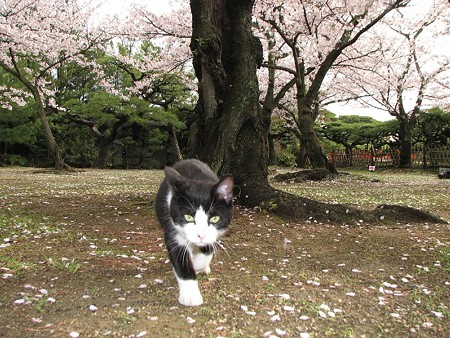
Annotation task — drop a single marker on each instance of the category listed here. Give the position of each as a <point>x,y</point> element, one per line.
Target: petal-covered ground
<point>81,255</point>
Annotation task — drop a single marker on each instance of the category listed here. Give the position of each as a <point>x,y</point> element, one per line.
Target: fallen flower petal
<point>280,332</point>
<point>275,318</point>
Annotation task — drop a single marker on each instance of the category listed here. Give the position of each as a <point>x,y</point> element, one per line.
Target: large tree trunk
<point>230,132</point>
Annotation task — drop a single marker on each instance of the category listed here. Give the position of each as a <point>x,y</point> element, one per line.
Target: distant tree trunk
<point>310,147</point>
<point>5,153</point>
<point>310,141</point>
<point>349,153</point>
<point>405,138</point>
<point>105,141</point>
<point>424,156</point>
<point>52,146</point>
<point>174,142</point>
<point>104,153</point>
<point>48,134</point>
<point>272,154</point>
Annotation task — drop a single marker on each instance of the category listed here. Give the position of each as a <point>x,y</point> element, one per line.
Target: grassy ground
<point>81,254</point>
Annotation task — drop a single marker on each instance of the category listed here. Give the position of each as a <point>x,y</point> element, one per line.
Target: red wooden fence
<point>385,157</point>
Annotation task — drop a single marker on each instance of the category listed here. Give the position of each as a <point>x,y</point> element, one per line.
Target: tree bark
<point>310,146</point>
<point>310,141</point>
<point>230,132</point>
<point>104,153</point>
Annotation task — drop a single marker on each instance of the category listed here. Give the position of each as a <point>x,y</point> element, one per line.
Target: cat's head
<point>200,210</point>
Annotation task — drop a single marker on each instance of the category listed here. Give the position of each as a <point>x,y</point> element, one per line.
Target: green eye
<point>189,218</point>
<point>214,219</point>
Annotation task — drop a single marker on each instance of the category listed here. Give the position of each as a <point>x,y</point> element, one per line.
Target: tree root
<point>296,208</point>
<point>305,175</point>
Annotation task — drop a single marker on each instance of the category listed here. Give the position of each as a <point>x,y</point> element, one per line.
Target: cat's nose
<point>201,237</point>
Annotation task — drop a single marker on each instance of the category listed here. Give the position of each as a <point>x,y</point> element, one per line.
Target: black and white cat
<point>194,207</point>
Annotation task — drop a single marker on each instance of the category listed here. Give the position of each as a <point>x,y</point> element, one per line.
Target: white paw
<point>189,293</point>
<point>191,299</point>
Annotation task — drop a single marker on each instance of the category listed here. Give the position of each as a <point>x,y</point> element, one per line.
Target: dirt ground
<point>81,255</point>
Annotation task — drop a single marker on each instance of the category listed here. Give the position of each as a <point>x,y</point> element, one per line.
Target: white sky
<point>350,109</point>
<point>120,7</point>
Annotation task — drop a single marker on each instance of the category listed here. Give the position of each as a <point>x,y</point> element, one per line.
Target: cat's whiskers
<point>217,245</point>
<point>182,252</point>
<point>213,203</point>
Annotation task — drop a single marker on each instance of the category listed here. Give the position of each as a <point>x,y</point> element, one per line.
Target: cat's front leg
<point>189,292</point>
<point>181,259</point>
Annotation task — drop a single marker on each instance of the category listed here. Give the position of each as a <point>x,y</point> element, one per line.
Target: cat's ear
<point>224,189</point>
<point>175,179</point>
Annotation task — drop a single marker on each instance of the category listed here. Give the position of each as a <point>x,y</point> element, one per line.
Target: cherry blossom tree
<point>231,128</point>
<point>154,52</point>
<point>310,38</point>
<point>158,44</point>
<point>37,37</point>
<point>409,70</point>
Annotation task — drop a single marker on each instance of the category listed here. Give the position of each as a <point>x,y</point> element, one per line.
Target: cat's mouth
<point>202,243</point>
